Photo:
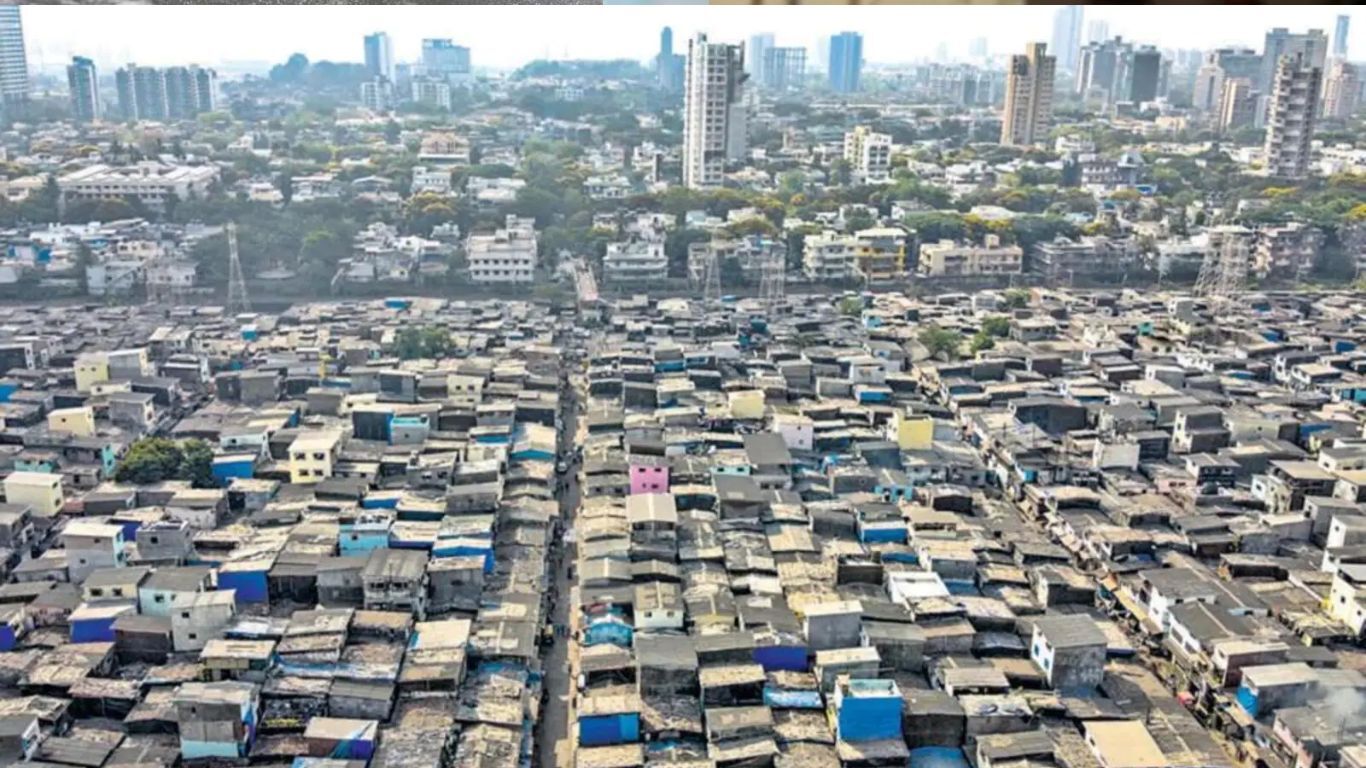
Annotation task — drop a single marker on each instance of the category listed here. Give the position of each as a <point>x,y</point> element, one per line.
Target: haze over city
<point>507,37</point>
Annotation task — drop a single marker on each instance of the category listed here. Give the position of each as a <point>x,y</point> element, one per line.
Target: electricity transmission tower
<point>1223,270</point>
<point>711,279</point>
<point>773,283</point>
<point>237,285</point>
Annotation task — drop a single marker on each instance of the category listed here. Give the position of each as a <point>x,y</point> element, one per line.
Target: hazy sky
<point>507,36</point>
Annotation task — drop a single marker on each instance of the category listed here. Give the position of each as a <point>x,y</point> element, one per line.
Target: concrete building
<point>190,91</point>
<point>431,92</point>
<point>41,492</point>
<point>829,257</point>
<point>14,85</point>
<point>150,182</point>
<point>443,58</point>
<point>379,56</point>
<point>1066,40</point>
<point>714,118</point>
<point>198,617</point>
<point>1145,75</point>
<point>377,95</point>
<point>82,81</point>
<point>1291,117</point>
<point>1285,251</point>
<point>1070,650</point>
<point>757,48</point>
<point>217,720</point>
<point>949,259</point>
<point>846,62</point>
<point>783,68</point>
<point>142,93</point>
<point>1340,36</point>
<point>90,545</point>
<point>1310,46</point>
<point>869,154</point>
<point>639,261</point>
<point>508,255</point>
<point>1237,105</point>
<point>1341,90</point>
<point>1103,75</point>
<point>1029,97</point>
<point>312,456</point>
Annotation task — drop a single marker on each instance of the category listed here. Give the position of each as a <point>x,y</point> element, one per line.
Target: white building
<point>506,256</point>
<point>869,154</point>
<point>1290,119</point>
<point>151,183</point>
<point>636,261</point>
<point>829,257</point>
<point>432,93</point>
<point>434,180</point>
<point>1029,97</point>
<point>1341,89</point>
<point>713,111</point>
<point>377,95</point>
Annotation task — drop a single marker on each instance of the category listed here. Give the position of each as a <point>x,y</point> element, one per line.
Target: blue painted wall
<point>609,729</point>
<point>870,718</point>
<point>792,658</point>
<point>93,630</point>
<point>251,586</point>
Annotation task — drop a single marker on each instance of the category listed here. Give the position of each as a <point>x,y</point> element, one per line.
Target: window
<point>96,592</point>
<point>159,598</point>
<point>118,591</point>
<point>184,614</point>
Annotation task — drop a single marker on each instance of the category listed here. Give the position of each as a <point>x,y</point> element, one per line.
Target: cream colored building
<point>948,259</point>
<point>76,421</point>
<point>40,491</point>
<point>312,455</point>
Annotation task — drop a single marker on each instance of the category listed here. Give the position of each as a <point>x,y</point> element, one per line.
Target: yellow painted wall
<point>747,404</point>
<point>77,421</point>
<point>913,433</point>
<point>90,371</point>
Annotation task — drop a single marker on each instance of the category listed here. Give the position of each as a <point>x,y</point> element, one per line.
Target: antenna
<point>237,285</point>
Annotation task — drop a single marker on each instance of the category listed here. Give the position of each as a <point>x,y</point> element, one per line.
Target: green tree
<point>1016,298</point>
<point>150,460</point>
<point>851,306</point>
<point>941,342</point>
<point>676,248</point>
<point>196,464</point>
<point>423,342</point>
<point>84,260</point>
<point>996,325</point>
<point>981,341</point>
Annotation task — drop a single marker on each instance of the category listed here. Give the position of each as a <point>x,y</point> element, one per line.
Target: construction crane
<point>237,285</point>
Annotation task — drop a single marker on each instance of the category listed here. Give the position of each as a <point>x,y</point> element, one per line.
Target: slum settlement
<point>1090,530</point>
<point>347,566</point>
<point>1067,529</point>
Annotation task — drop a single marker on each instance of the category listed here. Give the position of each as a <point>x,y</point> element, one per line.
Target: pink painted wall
<point>649,479</point>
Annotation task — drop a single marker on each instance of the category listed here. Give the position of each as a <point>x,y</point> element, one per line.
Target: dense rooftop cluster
<point>1121,535</point>
<point>359,575</point>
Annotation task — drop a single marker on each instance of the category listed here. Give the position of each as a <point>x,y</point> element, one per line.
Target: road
<point>553,745</point>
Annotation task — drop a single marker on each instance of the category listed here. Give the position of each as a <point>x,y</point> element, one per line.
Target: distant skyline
<point>503,37</point>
